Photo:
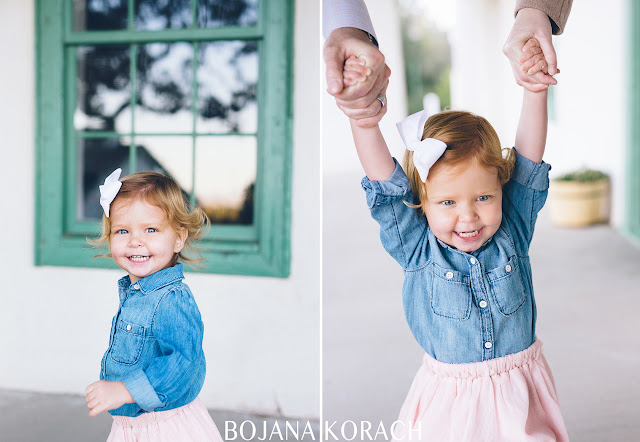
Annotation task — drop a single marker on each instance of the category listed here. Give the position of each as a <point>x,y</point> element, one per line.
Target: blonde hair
<point>161,191</point>
<point>468,137</point>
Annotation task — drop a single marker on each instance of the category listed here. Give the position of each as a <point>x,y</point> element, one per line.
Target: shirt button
<point>488,345</point>
<point>483,304</point>
<point>128,326</point>
<point>472,260</point>
<point>508,268</point>
<point>136,286</point>
<point>449,275</point>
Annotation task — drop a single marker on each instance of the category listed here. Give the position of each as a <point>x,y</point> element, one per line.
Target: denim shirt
<point>155,346</point>
<point>465,307</point>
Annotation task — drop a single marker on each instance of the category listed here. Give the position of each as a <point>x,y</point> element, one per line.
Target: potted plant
<point>580,198</point>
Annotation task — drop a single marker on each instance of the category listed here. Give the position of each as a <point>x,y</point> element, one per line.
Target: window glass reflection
<point>162,14</point>
<point>171,155</point>
<point>225,175</point>
<point>103,88</point>
<point>164,89</point>
<point>227,87</point>
<point>97,158</point>
<point>217,13</point>
<point>99,15</point>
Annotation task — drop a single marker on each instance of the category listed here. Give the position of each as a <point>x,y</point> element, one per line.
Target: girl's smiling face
<point>463,205</point>
<point>142,240</point>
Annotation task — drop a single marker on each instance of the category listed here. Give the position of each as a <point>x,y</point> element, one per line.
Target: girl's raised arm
<point>370,145</point>
<point>372,151</point>
<point>531,136</point>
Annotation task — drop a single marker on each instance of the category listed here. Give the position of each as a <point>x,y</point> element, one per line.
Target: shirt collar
<point>154,281</point>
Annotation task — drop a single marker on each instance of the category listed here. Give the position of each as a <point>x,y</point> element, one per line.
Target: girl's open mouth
<point>471,235</point>
<point>138,258</point>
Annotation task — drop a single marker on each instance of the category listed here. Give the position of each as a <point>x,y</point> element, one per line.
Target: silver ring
<point>381,99</point>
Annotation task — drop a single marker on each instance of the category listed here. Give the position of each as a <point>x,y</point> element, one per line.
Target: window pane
<point>162,14</point>
<point>169,155</point>
<point>97,158</point>
<point>217,13</point>
<point>225,177</point>
<point>99,15</point>
<point>103,88</point>
<point>165,78</point>
<point>227,87</point>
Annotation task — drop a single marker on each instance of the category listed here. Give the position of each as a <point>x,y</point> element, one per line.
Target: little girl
<point>459,218</point>
<point>154,366</point>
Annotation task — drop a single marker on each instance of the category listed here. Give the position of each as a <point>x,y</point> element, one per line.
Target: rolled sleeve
<point>403,229</point>
<point>531,174</point>
<point>142,392</point>
<point>383,192</point>
<point>523,197</point>
<point>178,329</point>
<point>345,14</point>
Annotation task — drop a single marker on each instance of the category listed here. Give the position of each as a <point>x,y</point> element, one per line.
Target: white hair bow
<point>425,152</point>
<point>109,190</point>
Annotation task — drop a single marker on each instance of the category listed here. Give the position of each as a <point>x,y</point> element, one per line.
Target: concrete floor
<point>35,417</point>
<point>587,285</point>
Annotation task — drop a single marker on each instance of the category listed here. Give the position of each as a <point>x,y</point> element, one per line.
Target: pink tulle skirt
<point>189,423</point>
<point>512,398</point>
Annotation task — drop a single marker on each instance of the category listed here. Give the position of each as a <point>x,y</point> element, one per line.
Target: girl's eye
<point>121,232</point>
<point>483,198</point>
<point>448,203</point>
<point>151,230</point>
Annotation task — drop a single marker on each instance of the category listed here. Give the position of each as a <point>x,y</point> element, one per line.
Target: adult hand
<point>375,110</point>
<point>357,101</point>
<point>531,23</point>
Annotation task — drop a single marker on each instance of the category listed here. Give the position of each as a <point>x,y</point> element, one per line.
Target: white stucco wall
<point>261,334</point>
<point>588,127</point>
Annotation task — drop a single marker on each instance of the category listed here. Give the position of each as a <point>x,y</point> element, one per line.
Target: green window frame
<point>631,226</point>
<point>260,249</point>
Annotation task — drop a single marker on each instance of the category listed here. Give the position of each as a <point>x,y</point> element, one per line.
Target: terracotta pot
<point>576,204</point>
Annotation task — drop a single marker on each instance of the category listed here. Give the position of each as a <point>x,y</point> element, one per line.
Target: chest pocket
<point>451,294</point>
<point>507,288</point>
<point>127,342</point>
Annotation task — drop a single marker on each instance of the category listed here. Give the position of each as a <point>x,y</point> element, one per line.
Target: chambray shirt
<point>155,346</point>
<point>465,307</point>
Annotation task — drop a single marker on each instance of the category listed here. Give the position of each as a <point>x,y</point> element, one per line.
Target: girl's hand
<point>532,59</point>
<point>355,71</point>
<point>531,23</point>
<point>107,395</point>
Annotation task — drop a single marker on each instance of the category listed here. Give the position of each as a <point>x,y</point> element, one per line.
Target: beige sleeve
<point>557,10</point>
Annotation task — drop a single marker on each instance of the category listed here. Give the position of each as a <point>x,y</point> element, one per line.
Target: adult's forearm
<point>557,10</point>
<point>345,14</point>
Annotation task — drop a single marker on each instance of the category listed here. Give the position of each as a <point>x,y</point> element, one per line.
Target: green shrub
<point>583,176</point>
